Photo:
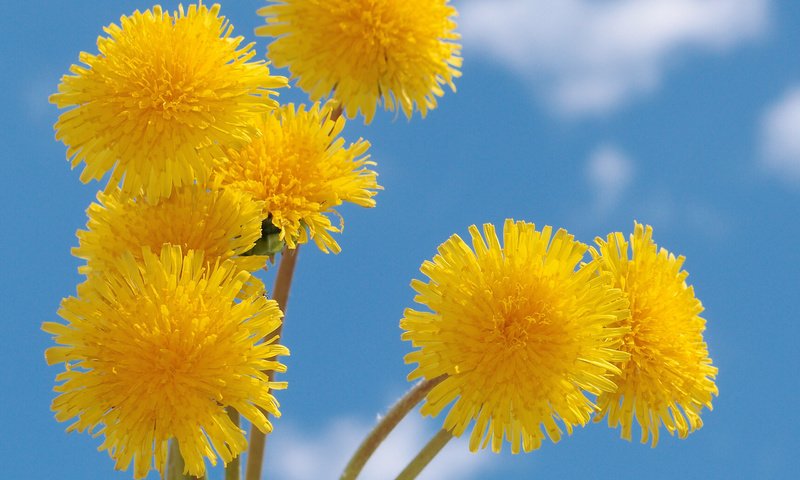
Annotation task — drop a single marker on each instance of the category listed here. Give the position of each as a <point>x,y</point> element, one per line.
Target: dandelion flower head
<point>518,332</point>
<point>156,350</point>
<point>160,97</point>
<point>222,224</point>
<point>302,170</point>
<point>400,53</point>
<point>669,377</point>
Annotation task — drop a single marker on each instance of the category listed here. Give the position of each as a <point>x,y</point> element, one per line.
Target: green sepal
<point>270,242</point>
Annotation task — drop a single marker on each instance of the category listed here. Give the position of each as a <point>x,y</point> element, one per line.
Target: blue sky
<point>684,114</point>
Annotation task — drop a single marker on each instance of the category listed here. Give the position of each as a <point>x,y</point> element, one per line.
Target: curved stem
<point>424,457</point>
<point>283,282</point>
<point>386,425</point>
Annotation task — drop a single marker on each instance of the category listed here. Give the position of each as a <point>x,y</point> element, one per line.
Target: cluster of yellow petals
<point>669,377</point>
<point>165,92</point>
<point>170,327</point>
<point>519,332</point>
<point>223,224</point>
<point>156,349</point>
<point>301,170</point>
<point>399,53</point>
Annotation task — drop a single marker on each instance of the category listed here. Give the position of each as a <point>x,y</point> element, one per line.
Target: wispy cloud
<point>590,57</point>
<point>321,455</point>
<point>609,172</point>
<point>780,133</point>
<point>35,93</point>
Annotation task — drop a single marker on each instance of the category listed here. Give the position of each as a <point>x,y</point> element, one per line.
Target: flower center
<point>168,96</point>
<point>523,320</point>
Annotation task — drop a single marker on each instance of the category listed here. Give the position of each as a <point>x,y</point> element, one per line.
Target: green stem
<point>424,457</point>
<point>280,293</point>
<point>174,462</point>
<point>176,465</point>
<point>232,469</point>
<point>398,411</point>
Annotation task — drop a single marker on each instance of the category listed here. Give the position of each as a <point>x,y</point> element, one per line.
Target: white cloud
<point>294,455</point>
<point>590,56</point>
<point>780,131</point>
<point>609,173</point>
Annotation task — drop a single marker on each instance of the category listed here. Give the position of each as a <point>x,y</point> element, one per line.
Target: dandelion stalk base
<point>398,411</point>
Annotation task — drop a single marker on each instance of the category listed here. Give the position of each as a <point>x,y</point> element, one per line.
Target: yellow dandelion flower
<point>302,171</point>
<point>156,350</point>
<point>367,51</point>
<point>669,377</point>
<point>518,332</point>
<point>163,93</point>
<point>222,224</point>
